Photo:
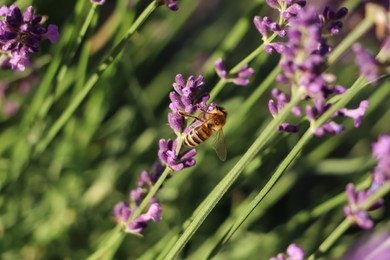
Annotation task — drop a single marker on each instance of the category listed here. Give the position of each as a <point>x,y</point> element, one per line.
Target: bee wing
<point>219,145</point>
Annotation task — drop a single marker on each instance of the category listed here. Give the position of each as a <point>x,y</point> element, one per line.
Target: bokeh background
<point>59,205</point>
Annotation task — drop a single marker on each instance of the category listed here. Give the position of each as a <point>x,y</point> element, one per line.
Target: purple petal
<point>52,33</point>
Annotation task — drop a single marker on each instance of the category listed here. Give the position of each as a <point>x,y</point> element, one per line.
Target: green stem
<point>83,30</point>
<point>145,202</point>
<point>114,237</point>
<point>233,174</point>
<point>341,228</point>
<point>290,158</point>
<point>65,116</point>
<point>217,88</point>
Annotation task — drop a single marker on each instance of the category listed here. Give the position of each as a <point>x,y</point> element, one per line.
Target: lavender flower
<point>176,162</point>
<point>243,75</point>
<point>287,9</point>
<point>331,19</point>
<point>124,210</point>
<point>171,4</point>
<point>366,62</point>
<point>294,252</point>
<point>354,211</point>
<point>381,174</point>
<point>98,2</point>
<point>303,58</point>
<point>20,36</point>
<point>187,98</point>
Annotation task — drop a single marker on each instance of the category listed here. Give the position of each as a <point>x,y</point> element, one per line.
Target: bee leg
<point>190,116</point>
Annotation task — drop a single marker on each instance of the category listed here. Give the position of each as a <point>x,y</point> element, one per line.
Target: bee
<point>212,123</point>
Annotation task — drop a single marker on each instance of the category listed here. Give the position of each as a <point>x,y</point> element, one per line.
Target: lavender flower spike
<point>123,212</point>
<point>20,36</point>
<point>187,98</point>
<point>353,210</point>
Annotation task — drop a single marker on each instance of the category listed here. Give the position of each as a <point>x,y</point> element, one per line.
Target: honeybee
<point>212,122</point>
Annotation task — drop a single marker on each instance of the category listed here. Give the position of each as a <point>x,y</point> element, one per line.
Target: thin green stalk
<point>145,202</point>
<point>229,179</point>
<point>83,30</point>
<point>290,158</point>
<point>65,116</point>
<point>114,237</point>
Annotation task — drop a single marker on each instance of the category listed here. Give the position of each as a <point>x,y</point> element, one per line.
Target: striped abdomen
<point>197,135</point>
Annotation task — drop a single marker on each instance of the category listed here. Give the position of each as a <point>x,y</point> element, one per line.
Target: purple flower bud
<point>273,4</point>
<point>296,111</point>
<point>278,47</point>
<point>241,82</point>
<point>292,11</point>
<point>220,68</point>
<point>172,5</point>
<point>353,210</point>
<point>356,114</point>
<point>287,127</point>
<point>51,34</point>
<point>272,108</point>
<point>366,62</point>
<point>294,252</point>
<point>329,128</point>
<point>176,122</point>
<point>260,26</point>
<point>98,2</point>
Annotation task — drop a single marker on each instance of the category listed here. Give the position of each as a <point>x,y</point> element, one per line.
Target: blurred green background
<point>58,205</point>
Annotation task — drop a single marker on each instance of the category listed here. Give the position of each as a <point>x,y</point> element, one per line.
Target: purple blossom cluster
<point>124,210</point>
<point>188,98</point>
<point>303,58</point>
<point>243,75</point>
<point>380,175</point>
<point>20,36</point>
<point>169,155</point>
<point>294,252</point>
<point>287,9</point>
